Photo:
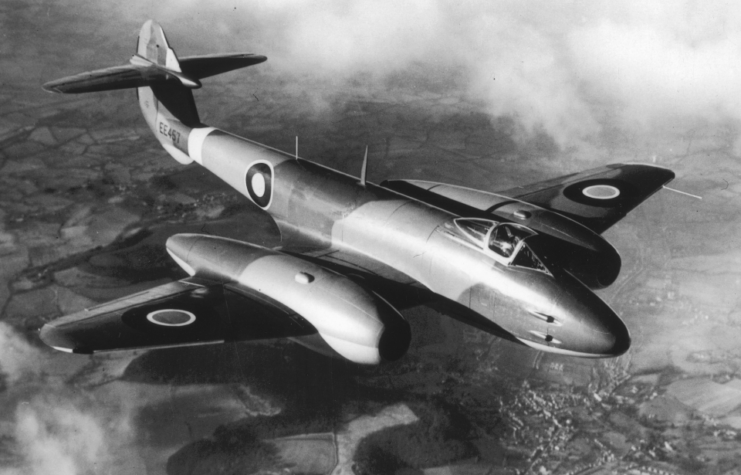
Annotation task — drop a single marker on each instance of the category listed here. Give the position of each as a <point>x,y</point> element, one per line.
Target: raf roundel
<point>601,192</point>
<point>259,183</point>
<point>171,317</point>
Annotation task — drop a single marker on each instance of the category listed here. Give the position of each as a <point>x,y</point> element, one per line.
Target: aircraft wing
<point>181,313</point>
<point>596,198</point>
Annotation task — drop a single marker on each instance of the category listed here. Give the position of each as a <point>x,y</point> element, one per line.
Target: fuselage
<point>541,306</point>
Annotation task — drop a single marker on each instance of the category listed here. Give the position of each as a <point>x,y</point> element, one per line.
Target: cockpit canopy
<point>505,241</point>
<point>505,237</point>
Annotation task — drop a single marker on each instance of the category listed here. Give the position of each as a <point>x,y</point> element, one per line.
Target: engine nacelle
<point>354,321</point>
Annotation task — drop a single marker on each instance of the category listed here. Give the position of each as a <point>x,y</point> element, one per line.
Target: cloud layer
<point>56,428</point>
<point>570,69</point>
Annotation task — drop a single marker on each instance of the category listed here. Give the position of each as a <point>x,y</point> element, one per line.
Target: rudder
<point>169,108</point>
<point>152,45</point>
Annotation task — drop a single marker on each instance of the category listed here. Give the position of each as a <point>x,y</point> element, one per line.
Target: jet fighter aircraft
<point>521,263</point>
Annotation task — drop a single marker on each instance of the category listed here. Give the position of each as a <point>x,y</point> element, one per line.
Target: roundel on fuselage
<point>259,183</point>
<point>603,193</point>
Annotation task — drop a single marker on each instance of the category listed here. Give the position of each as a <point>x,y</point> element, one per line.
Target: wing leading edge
<point>180,313</point>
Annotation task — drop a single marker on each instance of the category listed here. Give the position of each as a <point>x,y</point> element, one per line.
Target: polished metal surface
<point>355,322</point>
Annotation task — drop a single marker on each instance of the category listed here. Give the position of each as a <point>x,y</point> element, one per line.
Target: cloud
<point>64,433</point>
<point>571,69</point>
<point>56,428</point>
<point>673,62</point>
<point>55,436</point>
<point>18,359</point>
<point>567,68</point>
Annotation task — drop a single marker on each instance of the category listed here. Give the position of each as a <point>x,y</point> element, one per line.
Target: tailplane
<point>154,62</point>
<point>164,85</point>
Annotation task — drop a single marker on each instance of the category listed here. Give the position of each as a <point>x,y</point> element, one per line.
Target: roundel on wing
<point>259,182</point>
<point>164,319</point>
<point>603,193</point>
<point>171,317</point>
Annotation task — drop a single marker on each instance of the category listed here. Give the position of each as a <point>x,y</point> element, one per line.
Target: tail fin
<point>163,83</point>
<point>168,107</point>
<point>152,45</point>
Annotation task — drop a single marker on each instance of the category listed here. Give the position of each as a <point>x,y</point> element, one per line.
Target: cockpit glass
<point>505,238</point>
<point>526,258</point>
<point>475,229</point>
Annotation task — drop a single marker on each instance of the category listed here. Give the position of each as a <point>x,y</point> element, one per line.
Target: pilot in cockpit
<point>503,241</point>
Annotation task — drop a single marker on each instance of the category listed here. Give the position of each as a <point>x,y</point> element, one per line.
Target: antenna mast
<point>365,167</point>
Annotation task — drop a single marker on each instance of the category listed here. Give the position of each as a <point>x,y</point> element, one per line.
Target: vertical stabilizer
<point>152,45</point>
<point>168,107</point>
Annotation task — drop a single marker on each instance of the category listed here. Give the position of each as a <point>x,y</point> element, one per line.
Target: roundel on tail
<point>603,193</point>
<point>259,183</point>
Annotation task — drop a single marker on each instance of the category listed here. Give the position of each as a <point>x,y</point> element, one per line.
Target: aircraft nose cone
<point>622,343</point>
<point>610,335</point>
<point>591,328</point>
<point>607,334</point>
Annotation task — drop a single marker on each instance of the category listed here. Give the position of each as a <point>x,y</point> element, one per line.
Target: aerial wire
<point>682,192</point>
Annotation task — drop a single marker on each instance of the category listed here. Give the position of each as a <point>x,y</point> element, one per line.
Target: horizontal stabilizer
<point>200,67</point>
<point>142,72</point>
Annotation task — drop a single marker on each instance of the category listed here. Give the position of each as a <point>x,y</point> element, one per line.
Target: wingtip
<point>658,172</point>
<point>56,338</point>
<point>52,86</point>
